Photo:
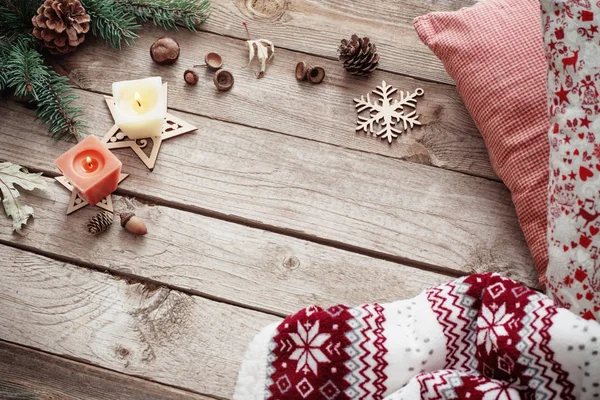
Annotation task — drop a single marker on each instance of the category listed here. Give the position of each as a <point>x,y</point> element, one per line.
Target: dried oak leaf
<point>264,52</point>
<point>11,175</point>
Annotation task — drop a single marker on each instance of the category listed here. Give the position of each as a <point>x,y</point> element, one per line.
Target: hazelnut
<point>165,50</point>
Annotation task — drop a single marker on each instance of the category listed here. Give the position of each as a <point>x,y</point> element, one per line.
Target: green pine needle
<point>55,108</point>
<point>111,23</point>
<point>15,17</point>
<point>23,71</point>
<point>168,13</point>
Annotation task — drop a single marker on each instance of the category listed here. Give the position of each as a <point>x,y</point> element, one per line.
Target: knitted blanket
<point>478,337</point>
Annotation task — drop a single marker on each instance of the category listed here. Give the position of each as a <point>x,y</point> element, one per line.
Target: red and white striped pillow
<point>494,51</point>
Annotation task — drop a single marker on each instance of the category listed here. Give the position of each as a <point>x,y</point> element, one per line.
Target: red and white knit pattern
<point>573,51</point>
<point>324,354</point>
<point>479,337</point>
<point>458,324</point>
<point>494,52</point>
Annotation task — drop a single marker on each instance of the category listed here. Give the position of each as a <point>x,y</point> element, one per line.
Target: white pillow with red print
<point>572,43</point>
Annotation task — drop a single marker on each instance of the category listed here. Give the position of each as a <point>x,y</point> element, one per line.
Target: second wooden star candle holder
<point>172,127</point>
<point>76,202</point>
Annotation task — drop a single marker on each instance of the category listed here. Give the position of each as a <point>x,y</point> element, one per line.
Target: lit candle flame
<point>137,99</point>
<point>88,160</point>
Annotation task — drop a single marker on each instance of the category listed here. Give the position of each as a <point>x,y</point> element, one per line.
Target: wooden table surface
<point>274,204</point>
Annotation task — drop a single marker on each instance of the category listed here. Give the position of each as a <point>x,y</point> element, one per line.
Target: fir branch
<point>110,22</point>
<point>25,73</point>
<point>15,17</point>
<point>24,65</point>
<point>168,13</point>
<point>4,53</point>
<point>55,107</point>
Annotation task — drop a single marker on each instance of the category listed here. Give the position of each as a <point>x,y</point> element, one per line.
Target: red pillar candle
<point>91,168</point>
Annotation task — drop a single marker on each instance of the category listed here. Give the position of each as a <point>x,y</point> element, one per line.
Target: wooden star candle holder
<point>77,203</point>
<point>172,127</point>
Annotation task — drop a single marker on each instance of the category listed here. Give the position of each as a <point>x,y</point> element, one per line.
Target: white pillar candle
<point>139,107</point>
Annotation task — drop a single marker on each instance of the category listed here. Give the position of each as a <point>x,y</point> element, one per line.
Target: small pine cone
<point>61,25</point>
<point>359,55</point>
<point>100,222</point>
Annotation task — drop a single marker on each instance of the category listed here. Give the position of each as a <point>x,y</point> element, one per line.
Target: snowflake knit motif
<point>479,337</point>
<point>387,112</point>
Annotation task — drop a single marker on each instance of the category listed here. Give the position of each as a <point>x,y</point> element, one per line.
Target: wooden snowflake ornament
<point>387,112</point>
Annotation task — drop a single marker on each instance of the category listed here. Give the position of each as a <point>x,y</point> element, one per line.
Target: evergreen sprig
<point>56,107</point>
<point>23,71</point>
<point>111,23</point>
<point>15,18</point>
<point>22,68</point>
<point>168,13</point>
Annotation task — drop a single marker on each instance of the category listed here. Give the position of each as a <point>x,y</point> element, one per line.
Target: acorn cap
<point>316,74</point>
<point>223,79</point>
<point>213,60</point>
<point>125,217</point>
<point>301,71</point>
<point>190,76</point>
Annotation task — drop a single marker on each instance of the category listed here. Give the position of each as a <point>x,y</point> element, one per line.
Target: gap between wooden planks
<point>232,263</point>
<point>396,210</point>
<point>317,27</point>
<point>279,103</point>
<point>151,332</point>
<point>28,374</point>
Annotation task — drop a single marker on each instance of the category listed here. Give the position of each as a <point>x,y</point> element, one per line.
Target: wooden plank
<point>448,137</point>
<point>317,27</point>
<point>152,332</point>
<point>28,374</point>
<point>218,259</point>
<point>398,210</point>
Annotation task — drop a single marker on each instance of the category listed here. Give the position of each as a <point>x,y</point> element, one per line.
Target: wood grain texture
<point>326,112</point>
<point>316,27</point>
<point>217,259</point>
<point>152,332</point>
<point>27,374</point>
<point>401,210</point>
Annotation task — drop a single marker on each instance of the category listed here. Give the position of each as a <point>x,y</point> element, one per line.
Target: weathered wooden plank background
<point>274,204</point>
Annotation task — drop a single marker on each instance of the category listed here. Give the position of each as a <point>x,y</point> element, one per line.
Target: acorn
<point>213,60</point>
<point>133,224</point>
<point>190,76</point>
<point>301,71</point>
<point>223,80</point>
<point>316,74</point>
<point>165,50</point>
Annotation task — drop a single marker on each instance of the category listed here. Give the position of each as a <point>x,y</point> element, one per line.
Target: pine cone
<point>359,55</point>
<point>100,222</point>
<point>61,25</point>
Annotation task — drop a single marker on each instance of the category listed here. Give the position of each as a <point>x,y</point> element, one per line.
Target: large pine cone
<point>359,55</point>
<point>61,25</point>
